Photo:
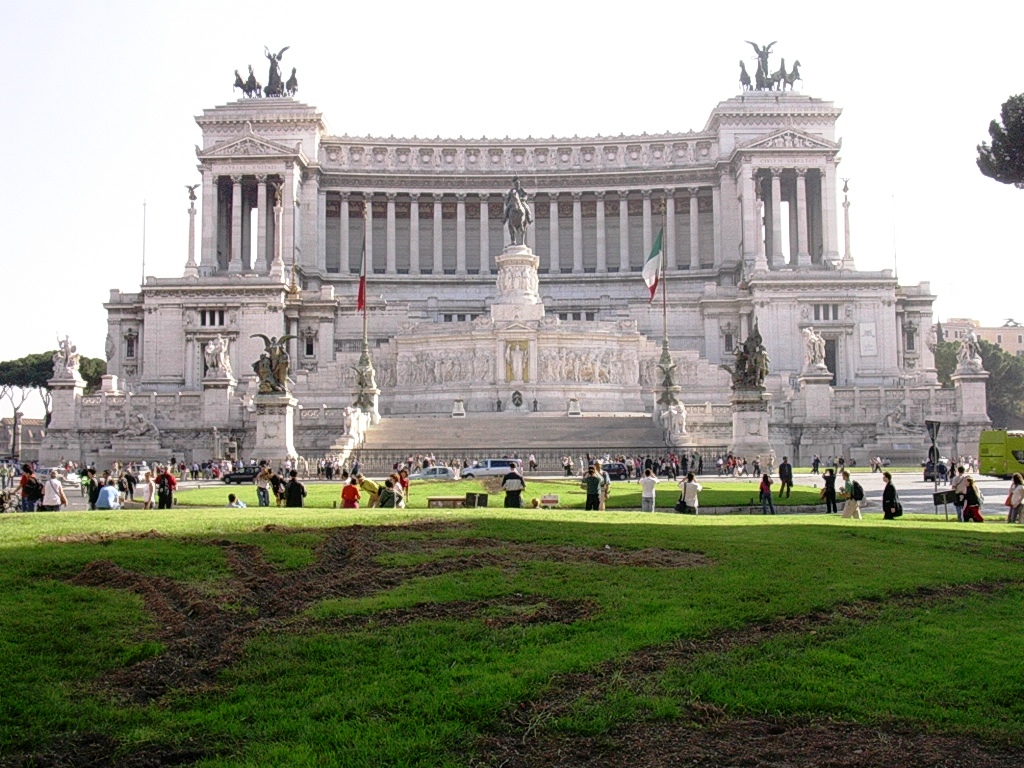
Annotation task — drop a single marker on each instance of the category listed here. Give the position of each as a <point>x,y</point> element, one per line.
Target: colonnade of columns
<point>811,216</point>
<point>573,229</point>
<point>228,204</point>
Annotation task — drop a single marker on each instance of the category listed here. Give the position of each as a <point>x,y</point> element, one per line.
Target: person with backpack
<point>53,494</point>
<point>853,493</point>
<point>165,487</point>
<point>31,489</point>
<point>765,489</point>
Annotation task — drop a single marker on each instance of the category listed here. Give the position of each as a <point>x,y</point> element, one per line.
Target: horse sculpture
<point>744,79</point>
<point>239,83</point>
<point>517,217</point>
<point>292,85</point>
<point>252,87</point>
<point>793,76</point>
<point>778,79</point>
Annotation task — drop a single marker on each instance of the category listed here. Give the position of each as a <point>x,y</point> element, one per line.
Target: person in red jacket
<point>350,494</point>
<point>165,487</point>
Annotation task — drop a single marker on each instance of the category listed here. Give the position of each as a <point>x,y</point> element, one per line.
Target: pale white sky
<point>100,99</point>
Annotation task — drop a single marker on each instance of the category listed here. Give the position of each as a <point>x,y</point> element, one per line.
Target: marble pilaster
<point>577,233</point>
<point>602,246</point>
<point>235,265</point>
<point>694,229</point>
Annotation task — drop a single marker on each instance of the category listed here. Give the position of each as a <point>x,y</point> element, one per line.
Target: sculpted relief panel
<point>604,367</point>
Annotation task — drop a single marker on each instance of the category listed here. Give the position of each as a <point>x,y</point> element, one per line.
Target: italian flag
<point>652,267</point>
<point>361,296</point>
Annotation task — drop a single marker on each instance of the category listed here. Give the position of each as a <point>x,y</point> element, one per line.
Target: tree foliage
<point>945,361</point>
<point>1004,160</point>
<point>1005,386</point>
<point>30,373</point>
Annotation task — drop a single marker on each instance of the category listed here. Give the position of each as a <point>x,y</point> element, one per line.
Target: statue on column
<point>272,367</point>
<point>65,359</point>
<point>216,354</point>
<point>968,356</point>
<point>517,213</point>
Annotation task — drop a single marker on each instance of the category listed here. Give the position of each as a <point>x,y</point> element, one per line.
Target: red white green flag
<point>361,296</point>
<point>652,267</point>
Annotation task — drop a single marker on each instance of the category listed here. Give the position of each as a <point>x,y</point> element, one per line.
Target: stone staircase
<point>478,436</point>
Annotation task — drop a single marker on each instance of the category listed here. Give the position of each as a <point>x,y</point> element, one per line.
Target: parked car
<point>435,473</point>
<point>243,475</point>
<point>932,471</point>
<point>491,468</point>
<point>616,470</point>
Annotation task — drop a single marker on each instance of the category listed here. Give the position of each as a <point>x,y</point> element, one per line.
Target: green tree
<point>20,378</point>
<point>1004,160</point>
<point>1005,386</point>
<point>945,361</point>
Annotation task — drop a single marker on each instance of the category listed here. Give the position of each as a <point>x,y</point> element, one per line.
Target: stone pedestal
<point>750,422</point>
<point>459,409</point>
<point>518,287</point>
<point>217,394</point>
<point>275,427</point>
<point>816,393</point>
<point>574,408</point>
<point>972,403</point>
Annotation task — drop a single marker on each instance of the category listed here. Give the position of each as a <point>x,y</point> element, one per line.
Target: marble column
<point>803,256</point>
<point>288,213</point>
<point>602,252</point>
<point>648,235</point>
<point>485,234</point>
<point>577,233</point>
<point>460,233</point>
<point>694,229</point>
<point>343,257</point>
<point>262,257</point>
<point>749,212</point>
<point>438,263</point>
<point>624,230</point>
<point>209,224</point>
<point>716,215</point>
<point>760,257</point>
<point>414,234</point>
<point>671,260</point>
<point>775,258</point>
<point>321,231</point>
<point>828,211</point>
<point>391,265</point>
<point>555,265</point>
<point>368,230</point>
<point>235,265</point>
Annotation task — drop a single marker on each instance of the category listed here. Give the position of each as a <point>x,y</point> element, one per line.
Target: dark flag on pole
<point>361,297</point>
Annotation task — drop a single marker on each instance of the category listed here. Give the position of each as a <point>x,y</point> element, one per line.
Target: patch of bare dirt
<point>706,736</point>
<point>101,538</point>
<point>85,750</point>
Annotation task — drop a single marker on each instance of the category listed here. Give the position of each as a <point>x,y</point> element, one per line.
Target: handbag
<point>1008,503</point>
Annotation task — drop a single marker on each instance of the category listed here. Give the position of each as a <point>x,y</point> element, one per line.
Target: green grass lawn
<point>623,495</point>
<point>461,632</point>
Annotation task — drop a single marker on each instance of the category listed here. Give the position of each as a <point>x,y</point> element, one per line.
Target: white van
<point>491,468</point>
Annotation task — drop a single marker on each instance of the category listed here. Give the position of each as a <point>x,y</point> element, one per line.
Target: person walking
<point>1015,499</point>
<point>767,504</point>
<point>294,491</point>
<point>606,485</point>
<point>263,485</point>
<point>959,486</point>
<point>973,499</point>
<point>690,491</point>
<point>165,487</point>
<point>829,491</point>
<point>647,491</point>
<point>53,494</point>
<point>785,477</point>
<point>850,494</point>
<point>891,507</point>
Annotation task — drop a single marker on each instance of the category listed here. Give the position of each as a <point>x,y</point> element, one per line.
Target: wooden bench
<point>549,501</point>
<point>435,502</point>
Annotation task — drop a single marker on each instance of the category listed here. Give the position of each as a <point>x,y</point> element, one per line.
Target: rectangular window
<point>211,317</point>
<point>591,315</point>
<point>999,338</point>
<point>728,342</point>
<point>817,312</point>
<point>129,346</point>
<point>309,347</point>
<point>835,311</point>
<point>911,342</point>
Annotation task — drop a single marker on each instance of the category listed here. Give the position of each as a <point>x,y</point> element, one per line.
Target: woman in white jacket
<point>1015,501</point>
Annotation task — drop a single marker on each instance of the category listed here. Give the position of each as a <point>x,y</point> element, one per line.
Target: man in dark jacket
<point>785,477</point>
<point>294,491</point>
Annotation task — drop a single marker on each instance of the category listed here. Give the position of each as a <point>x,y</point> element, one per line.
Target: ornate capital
<point>670,192</point>
<point>236,178</point>
<point>345,195</point>
<point>485,198</point>
<point>694,191</point>
<point>391,196</point>
<point>460,197</point>
<point>368,197</point>
<point>800,172</point>
<point>623,194</point>
<point>576,196</point>
<point>438,197</point>
<point>646,193</point>
<point>261,178</point>
<point>599,194</point>
<point>775,172</point>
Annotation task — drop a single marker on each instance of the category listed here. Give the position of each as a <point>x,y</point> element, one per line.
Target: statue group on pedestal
<point>764,80</point>
<point>517,213</point>
<point>272,367</point>
<point>752,361</point>
<point>814,348</point>
<point>65,359</point>
<point>251,87</point>
<point>968,356</point>
<point>218,365</point>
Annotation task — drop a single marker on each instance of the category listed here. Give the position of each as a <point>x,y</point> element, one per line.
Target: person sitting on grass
<point>234,501</point>
<point>350,494</point>
<point>388,497</point>
<point>108,498</point>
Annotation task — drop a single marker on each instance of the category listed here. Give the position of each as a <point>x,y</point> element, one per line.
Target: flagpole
<point>664,284</point>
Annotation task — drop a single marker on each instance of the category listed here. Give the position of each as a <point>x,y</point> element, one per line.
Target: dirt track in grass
<point>202,635</point>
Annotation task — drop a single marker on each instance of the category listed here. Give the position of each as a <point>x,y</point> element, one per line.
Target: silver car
<point>491,468</point>
<point>435,473</point>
